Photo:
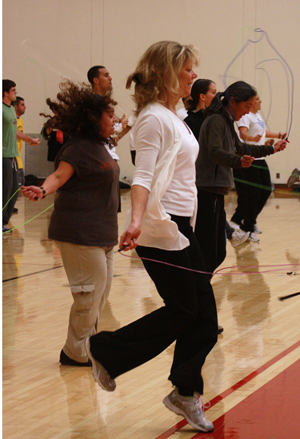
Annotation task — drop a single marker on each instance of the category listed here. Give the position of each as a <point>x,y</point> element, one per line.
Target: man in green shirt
<point>10,133</point>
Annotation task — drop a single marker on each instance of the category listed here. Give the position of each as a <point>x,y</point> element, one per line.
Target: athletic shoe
<point>67,361</point>
<point>220,329</point>
<point>238,238</point>
<point>100,374</point>
<point>257,230</point>
<point>6,230</point>
<point>253,237</point>
<point>234,225</point>
<point>190,407</point>
<point>294,177</point>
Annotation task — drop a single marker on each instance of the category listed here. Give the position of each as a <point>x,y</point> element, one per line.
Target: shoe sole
<point>253,240</point>
<point>73,363</point>
<point>180,412</point>
<point>95,369</point>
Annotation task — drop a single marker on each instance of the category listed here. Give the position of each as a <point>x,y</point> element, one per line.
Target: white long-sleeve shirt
<point>165,165</point>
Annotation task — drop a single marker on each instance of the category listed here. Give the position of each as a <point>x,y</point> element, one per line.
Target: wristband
<point>44,192</point>
<point>279,135</point>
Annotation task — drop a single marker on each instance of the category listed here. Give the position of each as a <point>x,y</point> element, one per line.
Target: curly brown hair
<point>79,110</point>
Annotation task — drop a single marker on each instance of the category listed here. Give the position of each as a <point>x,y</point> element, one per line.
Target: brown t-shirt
<point>85,211</point>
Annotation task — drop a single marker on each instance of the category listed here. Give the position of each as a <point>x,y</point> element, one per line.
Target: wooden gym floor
<point>251,376</point>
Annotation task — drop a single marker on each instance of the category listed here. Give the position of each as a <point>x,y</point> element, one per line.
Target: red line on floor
<point>230,390</point>
<point>272,411</point>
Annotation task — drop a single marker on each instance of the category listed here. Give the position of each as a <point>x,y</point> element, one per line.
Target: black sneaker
<point>220,329</point>
<point>6,230</point>
<point>67,361</point>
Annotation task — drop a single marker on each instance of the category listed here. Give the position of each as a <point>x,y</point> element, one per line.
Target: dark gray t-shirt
<point>85,211</point>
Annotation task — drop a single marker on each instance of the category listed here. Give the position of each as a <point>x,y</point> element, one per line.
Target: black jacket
<point>220,151</point>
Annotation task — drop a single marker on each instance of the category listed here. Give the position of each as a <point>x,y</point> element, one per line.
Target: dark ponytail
<point>201,86</point>
<point>240,91</point>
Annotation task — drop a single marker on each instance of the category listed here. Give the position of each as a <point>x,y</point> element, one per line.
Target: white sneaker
<point>238,238</point>
<point>234,225</point>
<point>257,230</point>
<point>191,408</point>
<point>253,237</point>
<point>100,374</point>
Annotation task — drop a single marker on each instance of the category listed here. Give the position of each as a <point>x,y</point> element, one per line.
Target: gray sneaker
<point>234,225</point>
<point>257,230</point>
<point>253,237</point>
<point>191,408</point>
<point>100,374</point>
<point>238,238</point>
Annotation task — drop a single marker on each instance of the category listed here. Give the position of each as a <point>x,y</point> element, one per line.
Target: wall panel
<point>48,40</point>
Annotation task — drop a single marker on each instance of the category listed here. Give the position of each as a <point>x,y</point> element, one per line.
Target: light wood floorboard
<point>44,400</point>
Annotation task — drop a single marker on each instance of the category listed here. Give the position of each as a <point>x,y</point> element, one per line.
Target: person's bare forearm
<point>52,183</point>
<point>63,173</point>
<point>139,199</point>
<point>26,138</point>
<point>272,135</point>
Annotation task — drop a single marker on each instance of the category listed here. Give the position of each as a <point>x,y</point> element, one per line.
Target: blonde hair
<point>157,71</point>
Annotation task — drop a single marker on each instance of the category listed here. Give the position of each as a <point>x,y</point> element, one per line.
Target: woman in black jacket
<point>220,151</point>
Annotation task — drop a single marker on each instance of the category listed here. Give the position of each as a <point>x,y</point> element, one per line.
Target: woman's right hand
<point>257,138</point>
<point>139,198</point>
<point>280,145</point>
<point>33,193</point>
<point>246,161</point>
<point>129,237</point>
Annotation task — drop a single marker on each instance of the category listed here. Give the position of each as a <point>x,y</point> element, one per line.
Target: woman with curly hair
<point>163,208</point>
<point>84,220</point>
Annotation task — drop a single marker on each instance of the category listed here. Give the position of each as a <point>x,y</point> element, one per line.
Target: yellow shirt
<point>19,142</point>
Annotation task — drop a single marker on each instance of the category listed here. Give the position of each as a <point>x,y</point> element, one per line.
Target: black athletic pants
<point>10,180</point>
<point>210,228</point>
<point>253,186</point>
<point>189,316</point>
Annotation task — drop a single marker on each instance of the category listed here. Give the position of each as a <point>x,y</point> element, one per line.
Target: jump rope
<point>120,250</point>
<point>287,70</point>
<point>290,95</point>
<point>290,104</point>
<point>290,112</point>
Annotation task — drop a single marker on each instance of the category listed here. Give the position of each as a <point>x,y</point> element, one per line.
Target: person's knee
<point>84,297</point>
<point>188,316</point>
